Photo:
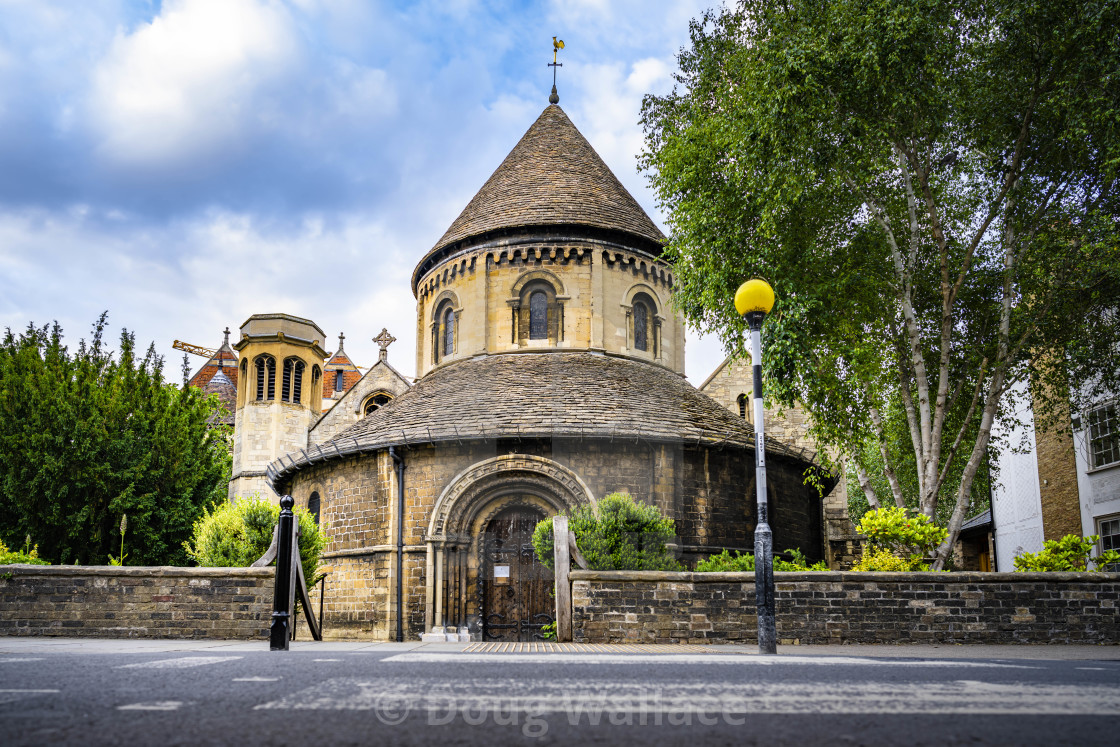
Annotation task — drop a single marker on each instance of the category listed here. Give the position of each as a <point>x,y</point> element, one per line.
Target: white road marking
<point>1091,669</point>
<point>256,679</point>
<point>184,662</point>
<point>737,659</point>
<point>11,696</point>
<point>158,705</point>
<point>326,659</point>
<point>4,659</point>
<point>393,698</point>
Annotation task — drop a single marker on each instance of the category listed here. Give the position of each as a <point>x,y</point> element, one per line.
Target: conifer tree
<point>90,436</point>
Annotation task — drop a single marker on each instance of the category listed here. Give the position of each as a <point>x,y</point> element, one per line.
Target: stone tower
<point>279,395</point>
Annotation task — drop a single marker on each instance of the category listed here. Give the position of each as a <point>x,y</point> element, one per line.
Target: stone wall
<point>708,491</point>
<point>155,602</point>
<point>816,608</point>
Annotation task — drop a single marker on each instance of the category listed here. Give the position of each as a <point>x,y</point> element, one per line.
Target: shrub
<point>893,531</point>
<point>235,534</point>
<point>881,559</point>
<point>1070,553</point>
<point>623,536</point>
<point>725,562</point>
<point>29,555</point>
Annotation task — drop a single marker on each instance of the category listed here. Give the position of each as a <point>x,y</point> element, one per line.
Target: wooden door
<point>516,587</point>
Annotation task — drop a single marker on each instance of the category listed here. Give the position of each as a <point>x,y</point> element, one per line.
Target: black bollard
<point>280,631</point>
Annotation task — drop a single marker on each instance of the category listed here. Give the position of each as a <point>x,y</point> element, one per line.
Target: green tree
<point>622,535</point>
<point>930,187</point>
<point>90,436</point>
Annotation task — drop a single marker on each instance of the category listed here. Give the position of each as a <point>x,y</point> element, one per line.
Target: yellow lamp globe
<point>755,295</point>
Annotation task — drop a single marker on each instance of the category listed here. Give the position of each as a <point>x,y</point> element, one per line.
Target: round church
<point>550,373</point>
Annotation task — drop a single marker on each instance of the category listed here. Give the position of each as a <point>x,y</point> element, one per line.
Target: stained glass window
<point>538,316</point>
<point>448,332</point>
<point>641,325</point>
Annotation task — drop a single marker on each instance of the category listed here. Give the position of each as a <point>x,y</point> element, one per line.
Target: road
<point>162,693</point>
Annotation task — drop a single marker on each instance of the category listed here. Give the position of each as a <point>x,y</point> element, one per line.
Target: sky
<point>185,164</point>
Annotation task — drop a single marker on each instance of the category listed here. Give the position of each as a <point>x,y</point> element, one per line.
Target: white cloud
<point>188,82</point>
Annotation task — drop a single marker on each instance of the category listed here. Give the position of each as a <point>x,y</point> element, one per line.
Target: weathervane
<point>554,98</point>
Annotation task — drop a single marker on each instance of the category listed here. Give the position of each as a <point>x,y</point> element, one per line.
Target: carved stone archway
<point>461,514</point>
<point>467,493</point>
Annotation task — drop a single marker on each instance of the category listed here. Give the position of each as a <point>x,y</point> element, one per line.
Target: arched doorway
<point>515,586</point>
<point>481,526</point>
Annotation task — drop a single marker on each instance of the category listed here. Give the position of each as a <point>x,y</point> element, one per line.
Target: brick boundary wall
<point>844,607</point>
<point>137,602</point>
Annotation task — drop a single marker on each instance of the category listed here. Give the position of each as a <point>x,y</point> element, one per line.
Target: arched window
<point>292,385</point>
<point>266,378</point>
<point>444,326</point>
<point>338,381</point>
<point>641,326</point>
<point>538,315</point>
<point>313,507</point>
<point>449,331</point>
<point>538,310</point>
<point>375,403</point>
<point>742,399</point>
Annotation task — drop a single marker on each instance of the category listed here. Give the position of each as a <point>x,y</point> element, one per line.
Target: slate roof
<point>981,521</point>
<point>540,395</point>
<point>551,177</point>
<point>221,385</point>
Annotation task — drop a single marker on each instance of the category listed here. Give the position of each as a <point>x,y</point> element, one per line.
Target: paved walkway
<point>40,645</point>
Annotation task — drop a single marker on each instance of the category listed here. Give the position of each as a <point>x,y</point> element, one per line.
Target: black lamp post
<point>753,300</point>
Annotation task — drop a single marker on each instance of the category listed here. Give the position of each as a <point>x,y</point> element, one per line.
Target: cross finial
<point>226,340</point>
<point>341,337</point>
<point>557,45</point>
<point>384,340</point>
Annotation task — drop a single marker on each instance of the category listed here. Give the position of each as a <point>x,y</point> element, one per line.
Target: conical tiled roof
<point>551,177</point>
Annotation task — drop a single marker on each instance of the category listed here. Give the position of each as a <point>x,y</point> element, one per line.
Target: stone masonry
<point>838,608</point>
<point>157,602</point>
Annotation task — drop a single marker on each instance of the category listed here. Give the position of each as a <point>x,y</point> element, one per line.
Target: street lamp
<point>753,300</point>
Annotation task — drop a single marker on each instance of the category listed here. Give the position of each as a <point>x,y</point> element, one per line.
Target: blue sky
<point>187,163</point>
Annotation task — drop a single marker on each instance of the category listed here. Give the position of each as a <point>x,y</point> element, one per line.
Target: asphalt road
<point>140,693</point>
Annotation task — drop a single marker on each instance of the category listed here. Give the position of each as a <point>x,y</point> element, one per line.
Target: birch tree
<point>930,188</point>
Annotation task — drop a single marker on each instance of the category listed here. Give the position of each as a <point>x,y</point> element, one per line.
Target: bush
<point>28,556</point>
<point>623,536</point>
<point>881,559</point>
<point>725,562</point>
<point>892,531</point>
<point>1070,553</point>
<point>237,533</point>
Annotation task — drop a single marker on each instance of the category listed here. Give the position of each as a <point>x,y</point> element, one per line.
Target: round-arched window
<point>538,316</point>
<point>375,403</point>
<point>449,331</point>
<point>313,507</point>
<point>641,326</point>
